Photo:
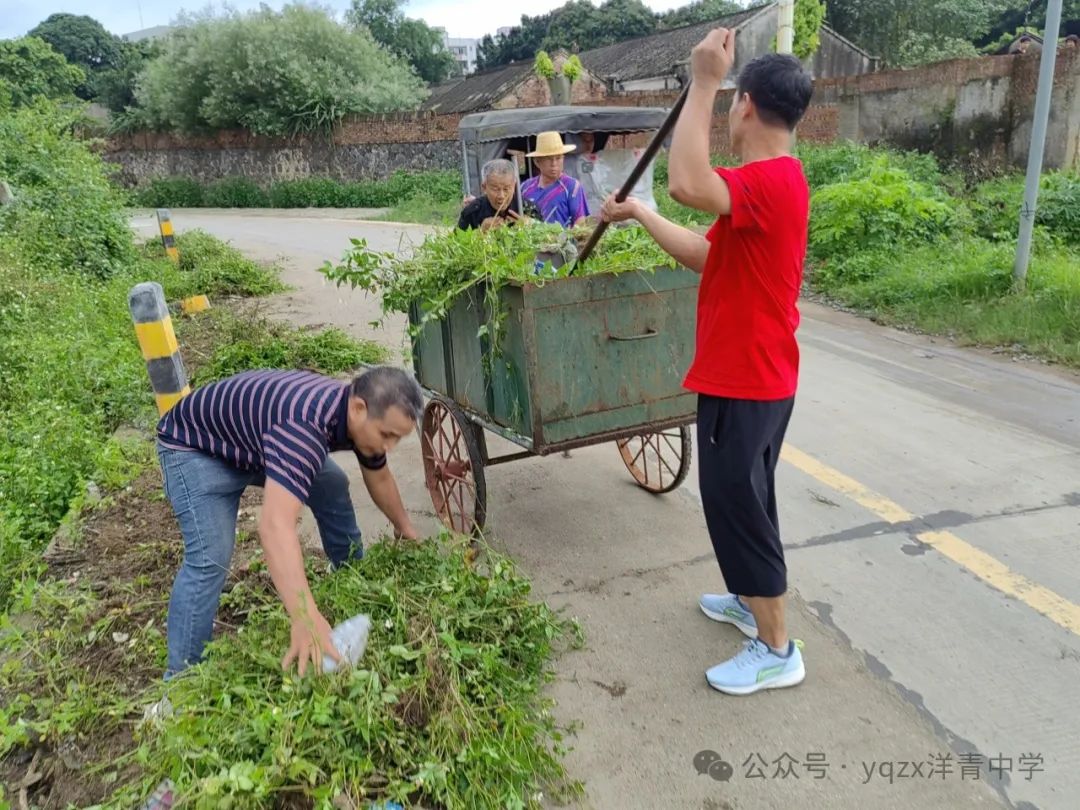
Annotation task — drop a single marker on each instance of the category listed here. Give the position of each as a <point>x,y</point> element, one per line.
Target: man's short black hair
<point>779,86</point>
<point>382,387</point>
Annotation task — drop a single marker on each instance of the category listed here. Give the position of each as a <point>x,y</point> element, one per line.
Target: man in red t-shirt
<point>745,367</point>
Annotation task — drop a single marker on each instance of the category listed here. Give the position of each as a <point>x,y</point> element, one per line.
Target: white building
<point>462,49</point>
<point>156,32</point>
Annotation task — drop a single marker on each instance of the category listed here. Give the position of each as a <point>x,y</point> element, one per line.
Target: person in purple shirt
<point>276,430</point>
<point>559,196</point>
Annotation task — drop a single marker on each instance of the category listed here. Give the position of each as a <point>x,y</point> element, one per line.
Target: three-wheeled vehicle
<point>581,360</point>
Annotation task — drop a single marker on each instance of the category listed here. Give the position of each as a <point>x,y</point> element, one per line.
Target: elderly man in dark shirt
<point>499,203</point>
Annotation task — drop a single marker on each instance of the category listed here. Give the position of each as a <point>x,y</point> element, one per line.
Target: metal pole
<point>785,36</point>
<point>1038,140</point>
<point>517,186</point>
<point>465,168</point>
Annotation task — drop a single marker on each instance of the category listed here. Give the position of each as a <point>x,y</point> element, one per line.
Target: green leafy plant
<point>995,207</point>
<point>572,68</point>
<point>67,216</point>
<point>825,164</point>
<point>313,192</point>
<point>882,207</point>
<point>31,69</point>
<point>809,17</point>
<point>250,342</point>
<point>235,192</point>
<point>962,287</point>
<point>446,708</point>
<point>208,265</point>
<point>445,265</point>
<point>273,73</point>
<point>171,192</point>
<point>544,66</point>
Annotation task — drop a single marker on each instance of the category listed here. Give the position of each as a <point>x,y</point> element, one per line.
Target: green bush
<point>1059,206</point>
<point>249,343</point>
<point>995,208</point>
<point>271,72</point>
<point>965,268</point>
<point>312,192</point>
<point>963,288</point>
<point>31,69</point>
<point>73,372</point>
<point>448,707</point>
<point>843,161</point>
<point>67,216</point>
<point>207,264</point>
<point>235,192</point>
<point>366,194</point>
<point>885,207</point>
<point>443,186</point>
<point>173,192</point>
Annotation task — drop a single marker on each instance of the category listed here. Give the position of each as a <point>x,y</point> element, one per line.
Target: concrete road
<point>931,511</point>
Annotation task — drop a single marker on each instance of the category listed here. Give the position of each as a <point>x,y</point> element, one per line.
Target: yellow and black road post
<point>196,303</point>
<point>154,329</point>
<point>168,237</point>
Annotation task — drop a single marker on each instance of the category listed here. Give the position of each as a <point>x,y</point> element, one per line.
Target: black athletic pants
<point>739,445</point>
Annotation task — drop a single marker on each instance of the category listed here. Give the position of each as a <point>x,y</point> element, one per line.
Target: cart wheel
<point>453,469</point>
<point>660,461</point>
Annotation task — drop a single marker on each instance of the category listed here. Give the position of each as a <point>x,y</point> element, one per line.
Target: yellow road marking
<point>987,568</point>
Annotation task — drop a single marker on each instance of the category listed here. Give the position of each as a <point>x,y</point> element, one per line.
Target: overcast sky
<point>460,18</point>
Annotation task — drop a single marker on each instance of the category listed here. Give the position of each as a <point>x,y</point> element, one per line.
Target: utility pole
<point>1038,140</point>
<point>785,36</point>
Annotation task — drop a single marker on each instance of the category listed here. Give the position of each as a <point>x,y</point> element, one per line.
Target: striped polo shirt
<point>562,202</point>
<point>283,423</point>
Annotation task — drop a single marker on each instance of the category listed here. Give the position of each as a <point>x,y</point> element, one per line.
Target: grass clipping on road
<point>444,710</point>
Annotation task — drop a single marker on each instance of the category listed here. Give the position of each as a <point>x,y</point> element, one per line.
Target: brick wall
<point>533,92</point>
<point>972,112</point>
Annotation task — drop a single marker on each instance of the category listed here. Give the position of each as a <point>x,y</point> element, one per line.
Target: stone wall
<point>975,113</point>
<point>371,148</point>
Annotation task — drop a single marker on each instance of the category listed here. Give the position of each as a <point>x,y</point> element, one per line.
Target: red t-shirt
<point>747,312</point>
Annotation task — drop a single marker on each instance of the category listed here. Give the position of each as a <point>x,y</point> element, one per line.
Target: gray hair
<point>382,387</point>
<point>498,166</point>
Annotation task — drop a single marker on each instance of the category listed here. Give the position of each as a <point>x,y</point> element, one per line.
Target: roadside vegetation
<point>447,707</point>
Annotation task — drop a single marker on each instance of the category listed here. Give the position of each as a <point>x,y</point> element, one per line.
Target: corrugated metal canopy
<point>499,125</point>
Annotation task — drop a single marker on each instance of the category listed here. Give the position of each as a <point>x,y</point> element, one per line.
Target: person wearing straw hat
<point>559,197</point>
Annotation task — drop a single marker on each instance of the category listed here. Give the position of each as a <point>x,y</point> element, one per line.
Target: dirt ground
<point>126,553</point>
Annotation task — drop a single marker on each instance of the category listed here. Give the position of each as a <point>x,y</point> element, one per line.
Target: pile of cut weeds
<point>445,710</point>
<point>83,644</point>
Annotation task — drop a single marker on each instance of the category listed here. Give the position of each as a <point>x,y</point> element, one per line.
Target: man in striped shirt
<point>276,429</point>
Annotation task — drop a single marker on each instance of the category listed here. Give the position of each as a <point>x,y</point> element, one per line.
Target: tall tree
<point>896,30</point>
<point>622,20</point>
<point>697,12</point>
<point>30,68</point>
<point>1022,14</point>
<point>273,73</point>
<point>521,43</point>
<point>574,26</point>
<point>412,40</point>
<point>83,41</point>
<point>115,87</point>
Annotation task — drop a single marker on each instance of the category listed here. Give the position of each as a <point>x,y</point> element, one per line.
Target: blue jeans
<point>205,494</point>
